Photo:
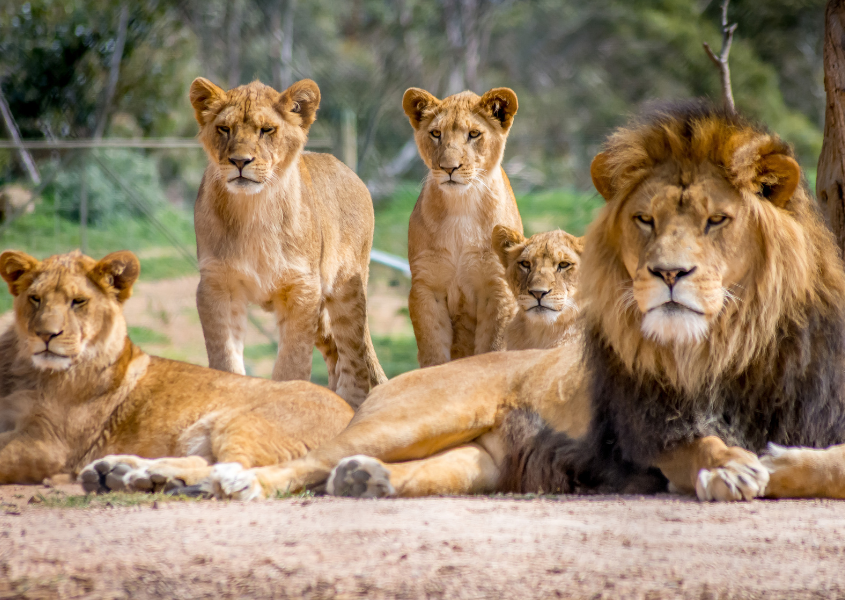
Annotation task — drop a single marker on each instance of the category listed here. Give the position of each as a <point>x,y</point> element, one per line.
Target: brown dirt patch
<point>594,547</point>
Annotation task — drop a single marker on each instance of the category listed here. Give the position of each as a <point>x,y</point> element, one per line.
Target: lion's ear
<point>418,104</point>
<point>500,104</point>
<point>203,94</point>
<point>578,244</point>
<point>506,239</point>
<point>600,172</point>
<point>116,273</point>
<point>778,177</point>
<point>13,266</point>
<point>303,99</point>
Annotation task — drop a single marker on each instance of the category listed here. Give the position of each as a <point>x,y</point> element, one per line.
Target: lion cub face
<point>461,139</point>
<point>252,133</point>
<point>67,308</point>
<point>542,271</point>
<point>689,239</point>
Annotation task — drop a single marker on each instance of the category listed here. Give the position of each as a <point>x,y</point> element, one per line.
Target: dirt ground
<point>588,547</point>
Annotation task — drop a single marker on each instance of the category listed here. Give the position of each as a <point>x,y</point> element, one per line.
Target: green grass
<point>145,335</point>
<point>397,355</point>
<point>58,499</point>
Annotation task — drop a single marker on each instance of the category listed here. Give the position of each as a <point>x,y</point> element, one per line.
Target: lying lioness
<point>74,388</point>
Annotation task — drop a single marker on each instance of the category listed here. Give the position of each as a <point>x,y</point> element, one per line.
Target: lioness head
<point>461,139</point>
<point>706,244</point>
<point>252,133</point>
<point>542,271</point>
<point>68,307</point>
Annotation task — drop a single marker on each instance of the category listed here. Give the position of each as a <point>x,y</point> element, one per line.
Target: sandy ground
<point>589,547</point>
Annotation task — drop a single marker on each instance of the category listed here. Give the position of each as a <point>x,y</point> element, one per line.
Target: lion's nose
<point>240,163</point>
<point>538,293</point>
<point>47,335</point>
<point>449,169</point>
<point>670,275</point>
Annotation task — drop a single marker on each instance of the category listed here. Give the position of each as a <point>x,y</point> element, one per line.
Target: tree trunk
<point>234,13</point>
<point>831,173</point>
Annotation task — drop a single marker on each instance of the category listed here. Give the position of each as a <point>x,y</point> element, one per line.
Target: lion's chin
<point>242,185</point>
<point>673,323</point>
<point>47,361</point>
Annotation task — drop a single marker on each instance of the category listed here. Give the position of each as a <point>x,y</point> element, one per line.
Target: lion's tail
<point>541,460</point>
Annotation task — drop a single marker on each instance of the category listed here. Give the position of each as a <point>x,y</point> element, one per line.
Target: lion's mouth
<point>50,354</point>
<point>673,307</point>
<point>241,180</point>
<point>543,307</point>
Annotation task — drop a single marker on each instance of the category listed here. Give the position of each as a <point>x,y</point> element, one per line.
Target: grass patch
<point>145,335</point>
<point>397,355</point>
<point>153,269</point>
<point>58,499</point>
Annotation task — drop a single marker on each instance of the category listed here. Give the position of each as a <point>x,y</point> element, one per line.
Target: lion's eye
<point>77,302</point>
<point>36,300</point>
<point>267,130</point>
<point>715,221</point>
<point>644,220</point>
<point>525,264</point>
<point>223,130</point>
<point>474,134</point>
<point>564,266</point>
<point>435,133</point>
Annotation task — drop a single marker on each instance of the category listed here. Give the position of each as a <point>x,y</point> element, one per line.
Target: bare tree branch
<point>114,71</point>
<point>721,61</point>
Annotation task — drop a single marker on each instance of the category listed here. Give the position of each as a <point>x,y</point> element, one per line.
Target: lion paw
<point>230,481</point>
<point>734,481</point>
<point>360,477</point>
<point>126,473</point>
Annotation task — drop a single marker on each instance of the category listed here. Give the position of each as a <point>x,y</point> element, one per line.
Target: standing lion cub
<point>286,229</point>
<point>459,302</point>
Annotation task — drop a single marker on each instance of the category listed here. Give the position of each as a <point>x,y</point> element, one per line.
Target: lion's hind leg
<point>805,472</point>
<point>467,469</point>
<point>120,472</point>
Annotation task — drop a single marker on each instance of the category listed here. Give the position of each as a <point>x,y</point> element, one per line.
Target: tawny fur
<point>542,272</point>
<point>74,388</point>
<point>290,231</point>
<point>459,302</point>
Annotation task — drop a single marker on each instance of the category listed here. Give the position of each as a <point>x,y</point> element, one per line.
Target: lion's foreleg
<point>222,312</point>
<point>297,311</point>
<point>29,459</point>
<point>495,310</point>
<point>347,308</point>
<point>805,472</point>
<point>432,325</point>
<point>713,470</point>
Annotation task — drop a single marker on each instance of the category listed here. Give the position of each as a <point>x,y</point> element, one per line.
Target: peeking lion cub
<point>286,229</point>
<point>459,302</point>
<point>542,272</point>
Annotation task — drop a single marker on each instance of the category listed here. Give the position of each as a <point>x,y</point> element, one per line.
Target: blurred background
<point>96,148</point>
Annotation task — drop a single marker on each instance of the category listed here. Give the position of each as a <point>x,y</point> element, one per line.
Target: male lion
<point>714,308</point>
<point>459,302</point>
<point>542,272</point>
<point>74,388</point>
<point>286,229</point>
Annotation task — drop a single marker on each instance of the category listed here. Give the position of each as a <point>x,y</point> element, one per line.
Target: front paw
<point>230,481</point>
<point>738,479</point>
<point>115,473</point>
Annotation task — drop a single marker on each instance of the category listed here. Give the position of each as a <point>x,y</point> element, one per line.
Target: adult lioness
<point>286,229</point>
<point>714,301</point>
<point>74,388</point>
<point>542,272</point>
<point>459,302</point>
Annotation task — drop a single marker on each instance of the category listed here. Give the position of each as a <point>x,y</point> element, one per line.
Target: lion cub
<point>286,229</point>
<point>542,272</point>
<point>459,301</point>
